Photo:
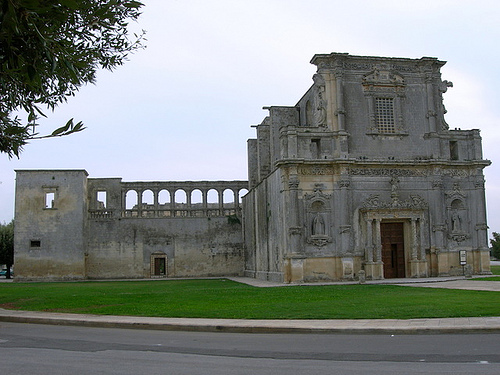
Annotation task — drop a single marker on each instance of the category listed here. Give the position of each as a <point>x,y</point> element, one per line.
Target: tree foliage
<point>7,245</point>
<point>495,245</point>
<point>48,50</point>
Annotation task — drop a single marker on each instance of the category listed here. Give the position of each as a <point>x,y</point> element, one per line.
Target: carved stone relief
<point>319,117</point>
<point>457,214</point>
<point>316,170</point>
<point>318,215</point>
<point>398,172</point>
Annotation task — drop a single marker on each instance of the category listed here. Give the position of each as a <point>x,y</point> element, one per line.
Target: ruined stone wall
<point>51,226</point>
<point>71,227</point>
<point>194,226</point>
<point>193,246</point>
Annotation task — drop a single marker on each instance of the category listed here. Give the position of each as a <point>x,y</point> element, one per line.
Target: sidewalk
<point>345,326</point>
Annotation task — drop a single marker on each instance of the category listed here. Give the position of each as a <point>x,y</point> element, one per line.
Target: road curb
<point>368,326</point>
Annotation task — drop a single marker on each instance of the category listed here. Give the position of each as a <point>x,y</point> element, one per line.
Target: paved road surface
<point>45,349</point>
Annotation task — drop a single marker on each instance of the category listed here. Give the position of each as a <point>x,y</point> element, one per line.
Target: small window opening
<point>101,200</point>
<point>453,150</point>
<point>35,243</point>
<point>49,199</point>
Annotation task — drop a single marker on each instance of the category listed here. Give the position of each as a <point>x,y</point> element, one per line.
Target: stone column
<point>188,198</point>
<point>295,228</point>
<point>482,265</point>
<point>221,202</point>
<point>155,201</point>
<point>340,112</point>
<point>172,202</point>
<point>421,247</point>
<point>343,215</point>
<point>438,260</point>
<point>414,239</point>
<point>139,202</point>
<point>369,241</point>
<point>378,242</point>
<point>204,194</point>
<point>431,109</point>
<point>294,256</point>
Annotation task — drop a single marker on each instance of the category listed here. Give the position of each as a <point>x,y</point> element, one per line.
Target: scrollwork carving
<point>316,170</point>
<point>390,172</point>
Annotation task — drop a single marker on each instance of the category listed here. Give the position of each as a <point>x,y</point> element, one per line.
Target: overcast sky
<point>182,108</point>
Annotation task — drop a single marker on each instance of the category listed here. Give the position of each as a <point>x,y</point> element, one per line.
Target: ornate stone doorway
<point>393,252</point>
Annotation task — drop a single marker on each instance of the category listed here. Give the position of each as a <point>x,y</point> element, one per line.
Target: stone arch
<point>164,197</point>
<point>147,203</point>
<point>228,198</point>
<point>457,204</point>
<point>148,197</point>
<point>213,208</point>
<point>196,197</point>
<point>180,202</point>
<point>197,203</point>
<point>131,199</point>
<point>241,194</point>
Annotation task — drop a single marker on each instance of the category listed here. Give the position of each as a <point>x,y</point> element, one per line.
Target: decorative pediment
<point>380,77</point>
<point>317,195</point>
<point>455,193</point>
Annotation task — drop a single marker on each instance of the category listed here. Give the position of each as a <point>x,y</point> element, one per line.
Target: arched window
<point>228,198</point>
<point>180,199</point>
<point>241,194</point>
<point>164,203</point>
<point>197,203</point>
<point>213,203</point>
<point>163,197</point>
<point>147,200</point>
<point>131,200</point>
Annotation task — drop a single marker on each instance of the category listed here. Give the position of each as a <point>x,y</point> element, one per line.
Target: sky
<point>182,108</point>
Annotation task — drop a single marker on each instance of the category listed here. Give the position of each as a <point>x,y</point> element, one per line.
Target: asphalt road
<point>45,349</point>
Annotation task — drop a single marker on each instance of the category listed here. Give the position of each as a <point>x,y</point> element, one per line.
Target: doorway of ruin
<point>158,264</point>
<point>393,249</point>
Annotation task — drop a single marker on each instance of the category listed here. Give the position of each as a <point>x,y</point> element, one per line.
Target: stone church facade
<point>362,174</point>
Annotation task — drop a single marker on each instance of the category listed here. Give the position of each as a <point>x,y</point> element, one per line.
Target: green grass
<point>227,299</point>
<point>495,270</point>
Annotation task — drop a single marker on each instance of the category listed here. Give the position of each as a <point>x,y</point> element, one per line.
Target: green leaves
<point>69,128</point>
<point>48,50</point>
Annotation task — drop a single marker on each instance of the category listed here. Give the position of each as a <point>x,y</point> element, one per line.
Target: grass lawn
<point>495,270</point>
<point>227,299</point>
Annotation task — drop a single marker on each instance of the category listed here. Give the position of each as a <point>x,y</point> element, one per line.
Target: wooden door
<point>393,253</point>
<point>159,266</point>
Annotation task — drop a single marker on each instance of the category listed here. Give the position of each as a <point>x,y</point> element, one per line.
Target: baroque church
<point>363,176</point>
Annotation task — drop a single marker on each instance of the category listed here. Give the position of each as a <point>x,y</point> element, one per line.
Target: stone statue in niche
<point>456,222</point>
<point>320,104</point>
<point>318,225</point>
